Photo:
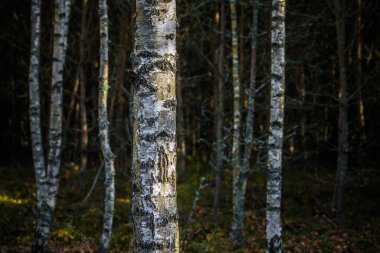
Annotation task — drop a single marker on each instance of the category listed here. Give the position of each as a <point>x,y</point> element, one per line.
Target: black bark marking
<point>164,65</point>
<point>148,54</point>
<point>170,36</point>
<point>163,163</point>
<point>275,244</point>
<point>170,104</point>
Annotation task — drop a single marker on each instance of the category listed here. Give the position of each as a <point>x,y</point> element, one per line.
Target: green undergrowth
<point>308,222</point>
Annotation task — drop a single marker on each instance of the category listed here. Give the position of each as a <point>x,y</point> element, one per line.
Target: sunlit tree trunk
<point>154,198</point>
<point>219,113</point>
<point>276,124</point>
<point>343,111</point>
<point>62,13</point>
<point>236,231</point>
<point>108,156</point>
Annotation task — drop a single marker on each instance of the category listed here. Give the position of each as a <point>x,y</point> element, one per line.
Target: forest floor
<point>308,222</point>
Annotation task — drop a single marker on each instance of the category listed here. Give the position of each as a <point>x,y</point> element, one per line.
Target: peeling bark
<point>276,123</point>
<point>154,199</point>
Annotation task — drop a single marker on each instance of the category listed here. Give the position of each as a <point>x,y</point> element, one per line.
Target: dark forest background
<point>311,126</point>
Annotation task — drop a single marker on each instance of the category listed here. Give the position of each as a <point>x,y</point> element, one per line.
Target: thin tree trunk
<point>108,156</point>
<point>181,147</point>
<point>240,30</point>
<point>242,180</point>
<point>276,124</point>
<point>62,14</point>
<point>82,85</point>
<point>219,113</point>
<point>236,165</point>
<point>303,115</point>
<point>359,76</point>
<point>154,198</point>
<point>343,117</point>
<point>71,109</point>
<point>34,104</point>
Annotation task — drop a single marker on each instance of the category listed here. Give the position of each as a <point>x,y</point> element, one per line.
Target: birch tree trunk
<point>236,165</point>
<point>219,113</point>
<point>276,122</point>
<point>108,156</point>
<point>343,117</point>
<point>242,177</point>
<point>50,183</point>
<point>154,198</point>
<point>34,103</point>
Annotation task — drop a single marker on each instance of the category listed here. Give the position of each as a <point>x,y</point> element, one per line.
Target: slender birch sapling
<point>236,230</point>
<point>108,156</point>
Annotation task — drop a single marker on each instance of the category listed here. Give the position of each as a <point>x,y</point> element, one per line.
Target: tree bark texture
<point>34,101</point>
<point>243,175</point>
<point>108,156</point>
<point>154,199</point>
<point>219,113</point>
<point>276,123</point>
<point>236,231</point>
<point>49,185</point>
<point>343,144</point>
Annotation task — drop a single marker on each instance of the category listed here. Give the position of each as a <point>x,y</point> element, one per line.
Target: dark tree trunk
<point>343,144</point>
<point>219,113</point>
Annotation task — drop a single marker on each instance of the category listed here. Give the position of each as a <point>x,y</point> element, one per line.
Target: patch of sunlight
<point>9,200</point>
<point>123,201</point>
<point>64,234</point>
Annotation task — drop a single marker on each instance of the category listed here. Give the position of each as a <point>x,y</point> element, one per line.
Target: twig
<point>93,184</point>
<point>189,220</point>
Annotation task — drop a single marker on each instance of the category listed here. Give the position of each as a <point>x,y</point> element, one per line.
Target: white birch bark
<point>34,101</point>
<point>236,229</point>
<point>276,122</point>
<point>50,189</point>
<point>108,156</point>
<point>154,199</point>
